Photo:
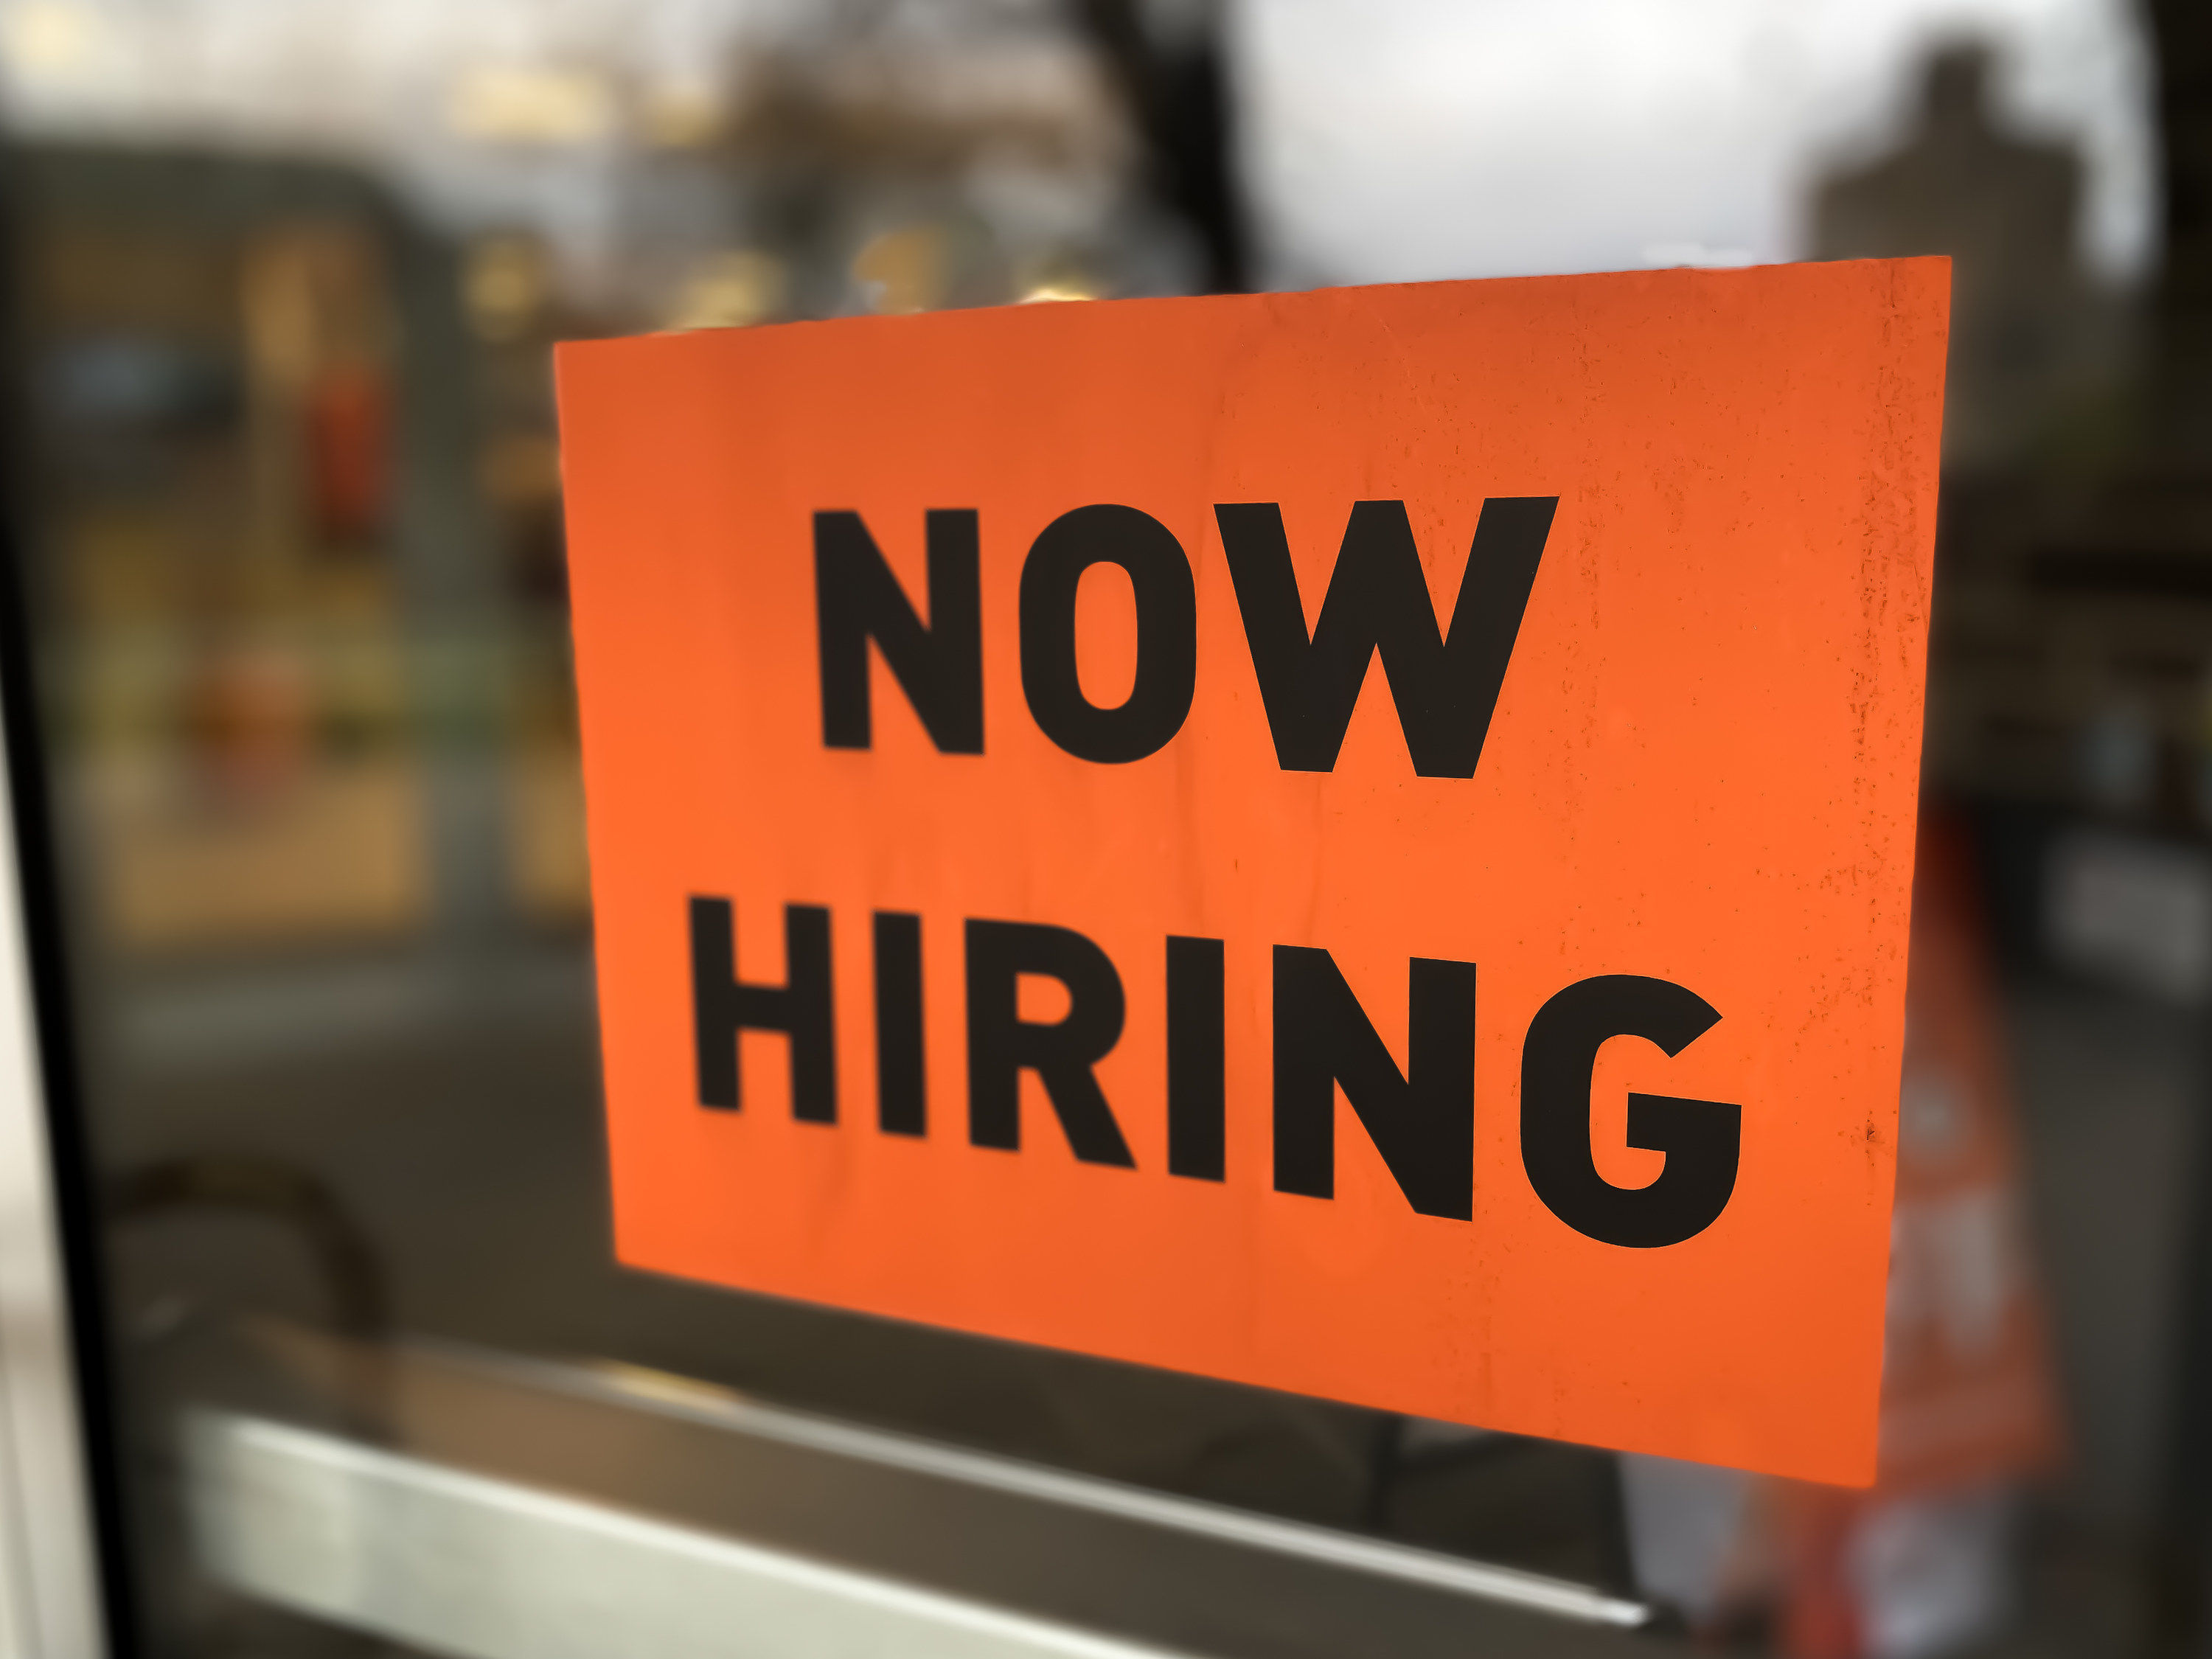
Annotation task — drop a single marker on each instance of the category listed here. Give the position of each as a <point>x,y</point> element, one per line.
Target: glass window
<point>285,281</point>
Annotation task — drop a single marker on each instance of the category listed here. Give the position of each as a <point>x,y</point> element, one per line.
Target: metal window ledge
<point>524,1507</point>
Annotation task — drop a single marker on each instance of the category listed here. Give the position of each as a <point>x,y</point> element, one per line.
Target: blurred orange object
<point>250,723</point>
<point>1967,1397</point>
<point>1966,1388</point>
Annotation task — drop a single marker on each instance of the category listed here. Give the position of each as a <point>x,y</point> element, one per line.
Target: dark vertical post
<point>901,1096</point>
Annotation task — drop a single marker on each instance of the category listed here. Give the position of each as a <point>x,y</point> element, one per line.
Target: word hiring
<point>1420,1121</point>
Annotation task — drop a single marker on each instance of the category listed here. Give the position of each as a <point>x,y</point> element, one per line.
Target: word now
<point>1445,684</point>
<point>1421,1121</point>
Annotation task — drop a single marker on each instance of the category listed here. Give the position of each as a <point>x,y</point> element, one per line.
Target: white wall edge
<point>49,1586</point>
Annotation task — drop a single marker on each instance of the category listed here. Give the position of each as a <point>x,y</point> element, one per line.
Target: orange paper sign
<point>1359,842</point>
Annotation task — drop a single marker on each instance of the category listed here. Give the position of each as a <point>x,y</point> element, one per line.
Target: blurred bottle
<point>346,412</point>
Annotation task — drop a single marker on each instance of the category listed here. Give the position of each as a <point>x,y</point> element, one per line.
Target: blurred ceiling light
<point>682,117</point>
<point>904,270</point>
<point>520,104</point>
<point>734,289</point>
<point>1055,278</point>
<point>45,39</point>
<point>506,283</point>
